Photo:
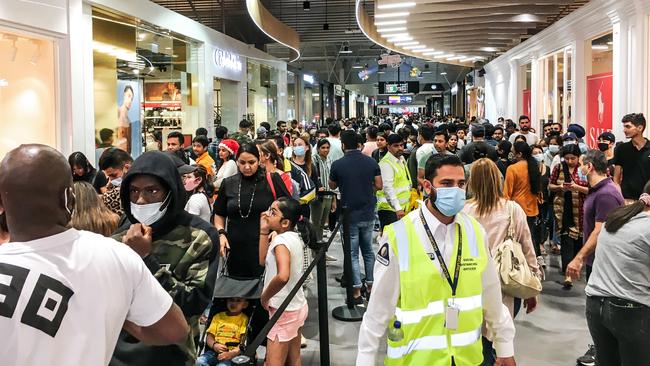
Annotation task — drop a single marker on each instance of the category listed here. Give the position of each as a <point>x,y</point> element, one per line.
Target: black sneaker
<point>589,358</point>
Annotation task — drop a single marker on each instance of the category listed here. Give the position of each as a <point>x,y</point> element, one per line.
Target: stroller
<point>225,287</point>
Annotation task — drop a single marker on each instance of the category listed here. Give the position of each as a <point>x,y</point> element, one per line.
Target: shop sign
<point>227,60</point>
<point>599,107</point>
<point>338,90</point>
<point>308,78</point>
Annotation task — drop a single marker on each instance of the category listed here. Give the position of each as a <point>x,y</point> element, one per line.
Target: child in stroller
<point>227,331</point>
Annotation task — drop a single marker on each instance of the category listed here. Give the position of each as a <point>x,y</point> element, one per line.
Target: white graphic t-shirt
<point>64,299</point>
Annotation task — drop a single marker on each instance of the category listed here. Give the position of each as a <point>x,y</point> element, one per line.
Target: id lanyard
<point>452,311</point>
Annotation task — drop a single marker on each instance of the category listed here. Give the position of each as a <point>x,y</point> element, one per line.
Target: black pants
<point>386,218</point>
<point>570,247</point>
<point>533,226</point>
<point>620,330</point>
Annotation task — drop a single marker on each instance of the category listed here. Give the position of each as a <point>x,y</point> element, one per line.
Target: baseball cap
<point>608,136</point>
<point>569,136</point>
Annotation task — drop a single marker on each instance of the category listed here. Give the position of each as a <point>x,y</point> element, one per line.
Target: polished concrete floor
<point>553,335</point>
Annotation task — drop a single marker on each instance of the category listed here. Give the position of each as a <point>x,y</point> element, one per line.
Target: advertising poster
<point>599,107</point>
<point>128,117</point>
<point>526,102</point>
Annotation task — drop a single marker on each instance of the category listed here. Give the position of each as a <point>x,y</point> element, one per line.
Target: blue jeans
<point>361,238</point>
<point>209,358</point>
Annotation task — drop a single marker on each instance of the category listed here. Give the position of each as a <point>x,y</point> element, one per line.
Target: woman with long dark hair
<point>523,185</point>
<point>570,193</point>
<point>241,200</point>
<point>618,296</point>
<point>303,172</point>
<point>200,189</point>
<point>83,171</point>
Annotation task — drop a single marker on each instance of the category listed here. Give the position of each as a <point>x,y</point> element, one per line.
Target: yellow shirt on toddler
<point>228,329</point>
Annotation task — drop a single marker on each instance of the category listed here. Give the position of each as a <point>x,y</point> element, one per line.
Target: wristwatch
<point>221,232</point>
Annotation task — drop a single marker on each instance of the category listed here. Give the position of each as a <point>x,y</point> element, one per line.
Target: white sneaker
<point>329,258</point>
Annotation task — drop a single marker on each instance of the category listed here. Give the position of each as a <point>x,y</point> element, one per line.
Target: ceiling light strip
<point>407,4</point>
<point>274,28</point>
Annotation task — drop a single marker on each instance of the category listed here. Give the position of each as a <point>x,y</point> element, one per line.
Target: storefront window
<point>27,91</point>
<point>262,93</point>
<point>599,106</point>
<point>150,75</point>
<point>225,104</point>
<point>553,79</point>
<point>292,101</point>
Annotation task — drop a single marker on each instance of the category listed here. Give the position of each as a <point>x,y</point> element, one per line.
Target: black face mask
<point>603,146</point>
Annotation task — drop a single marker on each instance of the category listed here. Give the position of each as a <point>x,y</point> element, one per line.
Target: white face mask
<point>150,213</point>
<point>539,157</point>
<point>116,182</point>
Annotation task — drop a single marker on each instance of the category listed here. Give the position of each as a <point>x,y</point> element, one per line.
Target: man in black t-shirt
<point>632,158</point>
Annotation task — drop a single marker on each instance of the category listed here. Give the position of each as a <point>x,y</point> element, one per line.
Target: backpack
<point>517,280</point>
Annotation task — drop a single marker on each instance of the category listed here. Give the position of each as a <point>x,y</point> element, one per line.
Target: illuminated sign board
<point>407,87</point>
<point>227,60</point>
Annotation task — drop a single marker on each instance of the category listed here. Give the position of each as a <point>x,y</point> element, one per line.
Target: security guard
<point>393,199</point>
<point>436,284</point>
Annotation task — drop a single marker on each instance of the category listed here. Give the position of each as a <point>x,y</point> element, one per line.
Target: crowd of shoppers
<point>243,198</point>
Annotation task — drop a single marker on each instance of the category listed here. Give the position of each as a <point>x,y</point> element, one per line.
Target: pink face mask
<point>191,184</point>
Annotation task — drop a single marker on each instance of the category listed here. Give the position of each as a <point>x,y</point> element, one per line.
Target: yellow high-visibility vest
<point>401,185</point>
<point>425,294</point>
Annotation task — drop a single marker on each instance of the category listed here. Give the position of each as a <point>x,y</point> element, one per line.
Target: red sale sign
<point>599,107</point>
<point>526,102</point>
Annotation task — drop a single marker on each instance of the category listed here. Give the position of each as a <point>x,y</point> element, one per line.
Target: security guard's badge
<point>452,313</point>
<point>382,255</point>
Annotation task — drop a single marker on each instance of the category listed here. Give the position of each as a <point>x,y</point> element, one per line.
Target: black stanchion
<point>349,312</point>
<point>323,321</point>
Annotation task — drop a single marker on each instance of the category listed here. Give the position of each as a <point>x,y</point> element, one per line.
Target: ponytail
<point>534,175</point>
<point>307,233</point>
<point>289,209</point>
<point>620,216</point>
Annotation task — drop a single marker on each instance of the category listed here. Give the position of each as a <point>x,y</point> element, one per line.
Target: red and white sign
<point>526,102</point>
<point>599,107</point>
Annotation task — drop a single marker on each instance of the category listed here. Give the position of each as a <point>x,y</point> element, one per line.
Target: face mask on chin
<point>150,213</point>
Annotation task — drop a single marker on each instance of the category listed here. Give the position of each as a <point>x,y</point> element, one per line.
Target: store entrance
<point>224,104</point>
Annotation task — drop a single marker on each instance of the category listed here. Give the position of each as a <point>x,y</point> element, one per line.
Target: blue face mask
<point>582,176</point>
<point>450,201</point>
<point>583,147</point>
<point>554,149</point>
<point>299,150</point>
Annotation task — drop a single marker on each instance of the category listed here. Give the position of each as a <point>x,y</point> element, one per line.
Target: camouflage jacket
<point>185,262</point>
<point>241,138</point>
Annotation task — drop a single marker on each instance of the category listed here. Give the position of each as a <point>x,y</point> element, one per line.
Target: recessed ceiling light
<point>391,29</point>
<point>408,4</point>
<point>398,39</point>
<point>409,43</point>
<point>525,18</point>
<point>433,53</point>
<point>454,58</point>
<point>395,35</point>
<point>599,47</point>
<point>488,49</point>
<point>345,49</point>
<point>423,50</point>
<point>306,6</point>
<point>390,22</point>
<point>443,73</point>
<point>414,47</point>
<point>392,15</point>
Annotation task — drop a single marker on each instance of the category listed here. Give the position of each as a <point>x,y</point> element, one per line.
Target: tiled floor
<point>554,335</point>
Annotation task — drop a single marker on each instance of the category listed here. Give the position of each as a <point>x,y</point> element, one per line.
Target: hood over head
<point>160,165</point>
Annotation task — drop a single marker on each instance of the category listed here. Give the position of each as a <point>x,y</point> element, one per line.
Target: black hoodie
<point>183,259</point>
